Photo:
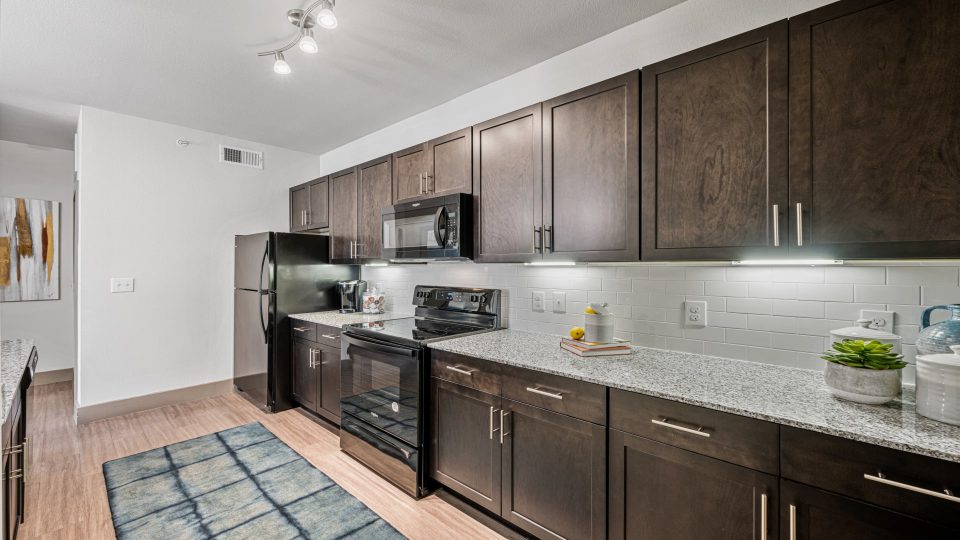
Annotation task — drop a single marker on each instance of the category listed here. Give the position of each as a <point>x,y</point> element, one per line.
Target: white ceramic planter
<point>869,386</point>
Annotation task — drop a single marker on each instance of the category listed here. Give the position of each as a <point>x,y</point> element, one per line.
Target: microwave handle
<point>441,236</point>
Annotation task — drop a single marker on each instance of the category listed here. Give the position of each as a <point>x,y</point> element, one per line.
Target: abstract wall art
<point>29,250</point>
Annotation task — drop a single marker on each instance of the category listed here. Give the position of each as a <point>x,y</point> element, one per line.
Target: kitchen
<point>728,194</point>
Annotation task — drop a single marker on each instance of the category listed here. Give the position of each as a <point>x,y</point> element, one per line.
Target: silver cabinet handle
<point>420,179</point>
<point>537,239</point>
<point>493,429</point>
<point>426,182</point>
<point>799,224</point>
<point>882,479</point>
<point>356,250</point>
<point>548,239</point>
<point>666,423</point>
<point>298,329</point>
<point>776,225</point>
<point>503,432</point>
<point>309,218</point>
<point>460,370</point>
<point>793,522</point>
<point>328,336</point>
<point>538,391</point>
<point>763,516</point>
<point>311,358</point>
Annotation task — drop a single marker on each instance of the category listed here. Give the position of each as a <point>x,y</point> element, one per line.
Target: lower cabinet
<point>304,374</point>
<point>811,514</point>
<point>316,378</point>
<point>659,491</point>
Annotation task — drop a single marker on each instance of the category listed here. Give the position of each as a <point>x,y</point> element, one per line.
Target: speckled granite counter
<point>788,396</point>
<point>337,319</point>
<point>14,355</point>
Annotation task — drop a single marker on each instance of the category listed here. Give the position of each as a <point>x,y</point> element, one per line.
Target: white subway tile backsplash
<point>780,315</point>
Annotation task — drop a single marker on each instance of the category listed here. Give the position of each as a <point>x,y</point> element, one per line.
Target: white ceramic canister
<point>938,386</point>
<point>598,328</point>
<point>863,332</point>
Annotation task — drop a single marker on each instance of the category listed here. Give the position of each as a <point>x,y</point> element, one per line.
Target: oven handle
<point>376,346</point>
<point>358,430</point>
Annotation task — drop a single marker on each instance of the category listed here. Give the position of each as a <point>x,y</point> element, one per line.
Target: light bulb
<point>281,66</point>
<point>308,44</point>
<point>326,18</point>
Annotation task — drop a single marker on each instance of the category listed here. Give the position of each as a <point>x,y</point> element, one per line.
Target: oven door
<point>380,385</point>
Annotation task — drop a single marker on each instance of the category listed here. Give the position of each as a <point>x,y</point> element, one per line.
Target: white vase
<point>862,385</point>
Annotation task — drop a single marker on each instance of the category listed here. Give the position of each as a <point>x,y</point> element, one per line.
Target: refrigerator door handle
<point>263,324</point>
<point>263,262</point>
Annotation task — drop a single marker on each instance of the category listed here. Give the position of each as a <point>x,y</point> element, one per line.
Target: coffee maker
<point>351,295</point>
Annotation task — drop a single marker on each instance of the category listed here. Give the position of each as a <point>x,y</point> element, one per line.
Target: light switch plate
<point>121,284</point>
<point>881,320</point>
<point>538,300</point>
<point>695,314</point>
<point>559,302</point>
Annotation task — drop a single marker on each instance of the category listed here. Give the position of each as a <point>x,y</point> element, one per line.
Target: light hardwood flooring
<point>66,497</point>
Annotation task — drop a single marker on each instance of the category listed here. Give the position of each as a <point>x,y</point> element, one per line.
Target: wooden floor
<point>66,497</point>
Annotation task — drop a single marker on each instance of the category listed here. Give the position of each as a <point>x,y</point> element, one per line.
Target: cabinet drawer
<point>328,335</point>
<point>464,370</point>
<point>882,476</point>
<point>586,401</point>
<point>303,330</point>
<point>730,437</point>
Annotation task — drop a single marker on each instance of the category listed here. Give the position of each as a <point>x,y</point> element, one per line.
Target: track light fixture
<point>304,21</point>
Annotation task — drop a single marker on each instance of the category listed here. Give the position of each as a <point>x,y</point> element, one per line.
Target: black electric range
<point>384,377</point>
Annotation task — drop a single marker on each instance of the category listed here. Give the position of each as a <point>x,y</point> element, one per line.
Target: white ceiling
<point>194,63</point>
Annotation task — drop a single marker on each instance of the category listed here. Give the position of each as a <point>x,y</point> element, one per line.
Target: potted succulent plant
<point>863,371</point>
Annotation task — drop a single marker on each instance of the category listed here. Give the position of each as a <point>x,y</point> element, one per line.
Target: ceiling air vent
<point>241,156</point>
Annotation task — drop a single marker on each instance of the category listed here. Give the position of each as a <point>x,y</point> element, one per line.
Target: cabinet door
<point>304,374</point>
<point>715,150</point>
<point>299,207</point>
<point>591,172</point>
<point>375,192</point>
<point>875,129</point>
<point>343,213</point>
<point>451,159</point>
<point>811,514</point>
<point>660,491</point>
<point>554,473</point>
<point>409,171</point>
<point>319,216</point>
<point>329,400</point>
<point>465,442</point>
<point>507,162</point>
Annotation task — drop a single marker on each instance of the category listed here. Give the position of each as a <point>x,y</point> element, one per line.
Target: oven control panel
<point>461,299</point>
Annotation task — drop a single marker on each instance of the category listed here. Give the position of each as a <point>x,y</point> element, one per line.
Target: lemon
<point>576,333</point>
<point>590,311</point>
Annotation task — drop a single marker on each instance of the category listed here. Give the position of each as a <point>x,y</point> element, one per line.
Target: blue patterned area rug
<point>238,483</point>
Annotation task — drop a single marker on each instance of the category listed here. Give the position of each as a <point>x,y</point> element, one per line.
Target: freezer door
<point>253,262</point>
<point>253,344</point>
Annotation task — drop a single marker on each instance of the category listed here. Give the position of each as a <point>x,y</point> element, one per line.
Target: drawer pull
<point>666,423</point>
<point>793,522</point>
<point>460,370</point>
<point>763,516</point>
<point>328,336</point>
<point>298,329</point>
<point>538,391</point>
<point>945,494</point>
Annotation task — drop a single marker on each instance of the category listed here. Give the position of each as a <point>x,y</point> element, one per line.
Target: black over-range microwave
<point>438,228</point>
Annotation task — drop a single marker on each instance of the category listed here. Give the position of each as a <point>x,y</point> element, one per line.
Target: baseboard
<point>120,407</point>
<point>54,376</point>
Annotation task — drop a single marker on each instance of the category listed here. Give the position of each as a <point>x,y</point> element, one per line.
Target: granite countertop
<point>337,319</point>
<point>14,355</point>
<point>788,396</point>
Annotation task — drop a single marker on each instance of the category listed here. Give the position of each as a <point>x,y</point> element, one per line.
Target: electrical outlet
<point>538,300</point>
<point>121,284</point>
<point>879,320</point>
<point>695,314</point>
<point>559,302</point>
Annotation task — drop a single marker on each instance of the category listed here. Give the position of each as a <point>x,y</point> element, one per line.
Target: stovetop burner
<point>417,330</point>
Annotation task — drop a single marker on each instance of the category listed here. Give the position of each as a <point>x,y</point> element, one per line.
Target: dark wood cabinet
<point>328,365</point>
<point>435,168</point>
<point>465,442</point>
<point>659,491</point>
<point>591,172</point>
<point>16,453</point>
<point>304,374</point>
<point>714,152</point>
<point>343,214</point>
<point>874,142</point>
<point>316,369</point>
<point>508,173</point>
<point>375,191</point>
<point>409,168</point>
<point>808,513</point>
<point>299,207</point>
<point>309,206</point>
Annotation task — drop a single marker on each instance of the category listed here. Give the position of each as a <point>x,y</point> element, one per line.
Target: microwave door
<point>412,233</point>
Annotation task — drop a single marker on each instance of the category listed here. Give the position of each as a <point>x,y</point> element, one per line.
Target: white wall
<point>165,215</point>
<point>681,28</point>
<point>38,172</point>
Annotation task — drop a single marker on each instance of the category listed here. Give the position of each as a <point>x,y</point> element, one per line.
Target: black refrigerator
<point>276,274</point>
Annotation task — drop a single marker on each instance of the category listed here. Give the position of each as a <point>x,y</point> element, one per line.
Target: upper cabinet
<point>343,214</point>
<point>875,129</point>
<point>560,180</point>
<point>436,168</point>
<point>591,172</point>
<point>357,196</point>
<point>309,208</point>
<point>714,150</point>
